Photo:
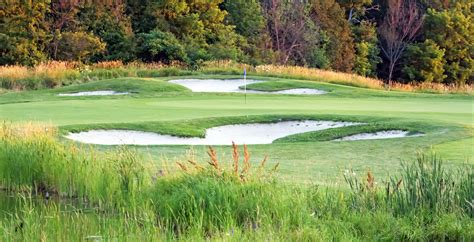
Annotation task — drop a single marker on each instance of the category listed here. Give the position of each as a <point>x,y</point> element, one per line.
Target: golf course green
<point>445,120</point>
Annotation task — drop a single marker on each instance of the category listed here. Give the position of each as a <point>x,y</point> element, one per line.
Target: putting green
<point>447,120</point>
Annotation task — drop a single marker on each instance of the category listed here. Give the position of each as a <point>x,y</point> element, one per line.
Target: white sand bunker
<point>379,135</point>
<point>257,133</point>
<point>214,85</point>
<point>93,93</point>
<point>300,91</point>
<point>235,85</point>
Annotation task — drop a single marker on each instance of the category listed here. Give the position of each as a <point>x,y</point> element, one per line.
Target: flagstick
<point>245,84</point>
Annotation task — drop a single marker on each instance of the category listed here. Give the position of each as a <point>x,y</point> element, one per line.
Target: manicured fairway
<point>446,120</point>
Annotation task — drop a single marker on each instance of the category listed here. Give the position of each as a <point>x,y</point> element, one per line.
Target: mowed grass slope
<point>159,106</point>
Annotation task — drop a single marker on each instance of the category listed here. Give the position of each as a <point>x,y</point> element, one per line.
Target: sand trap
<point>214,85</point>
<point>93,93</point>
<point>378,135</point>
<point>300,91</point>
<point>258,133</point>
<point>235,85</point>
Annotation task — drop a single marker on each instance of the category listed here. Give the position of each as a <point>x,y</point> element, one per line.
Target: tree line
<point>403,40</point>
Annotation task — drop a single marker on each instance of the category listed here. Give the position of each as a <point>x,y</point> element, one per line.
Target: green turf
<point>155,105</point>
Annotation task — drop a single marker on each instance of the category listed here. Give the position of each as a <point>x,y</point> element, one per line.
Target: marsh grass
<point>423,185</point>
<point>426,184</point>
<point>32,160</point>
<point>123,197</point>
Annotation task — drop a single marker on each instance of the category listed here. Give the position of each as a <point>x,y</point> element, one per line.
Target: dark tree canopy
<point>377,38</point>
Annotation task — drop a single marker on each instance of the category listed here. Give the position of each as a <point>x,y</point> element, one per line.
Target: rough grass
<point>232,199</point>
<point>298,72</point>
<point>54,74</point>
<point>159,87</point>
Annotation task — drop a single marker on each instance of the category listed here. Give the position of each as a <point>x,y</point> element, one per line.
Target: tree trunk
<point>390,72</point>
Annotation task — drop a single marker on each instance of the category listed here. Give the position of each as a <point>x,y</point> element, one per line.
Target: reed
<point>424,185</point>
<point>118,195</point>
<point>221,169</point>
<point>214,162</point>
<point>235,157</point>
<point>428,185</point>
<point>14,72</point>
<point>31,159</point>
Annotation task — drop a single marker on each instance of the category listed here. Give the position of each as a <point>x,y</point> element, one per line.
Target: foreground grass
<point>118,196</point>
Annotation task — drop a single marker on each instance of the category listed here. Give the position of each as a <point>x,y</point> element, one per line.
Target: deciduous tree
<point>330,17</point>
<point>367,50</point>
<point>453,31</point>
<point>400,26</point>
<point>24,31</point>
<point>62,17</point>
<point>160,46</point>
<point>249,21</point>
<point>287,23</point>
<point>108,21</point>
<point>79,46</point>
<point>423,62</point>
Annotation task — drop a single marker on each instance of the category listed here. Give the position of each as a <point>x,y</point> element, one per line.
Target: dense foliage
<point>404,40</point>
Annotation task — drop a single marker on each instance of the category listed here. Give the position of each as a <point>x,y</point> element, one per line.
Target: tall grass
<point>54,74</point>
<point>124,197</point>
<point>59,73</point>
<point>46,75</point>
<point>32,160</point>
<point>428,185</point>
<point>319,75</point>
<point>314,74</point>
<point>423,185</point>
